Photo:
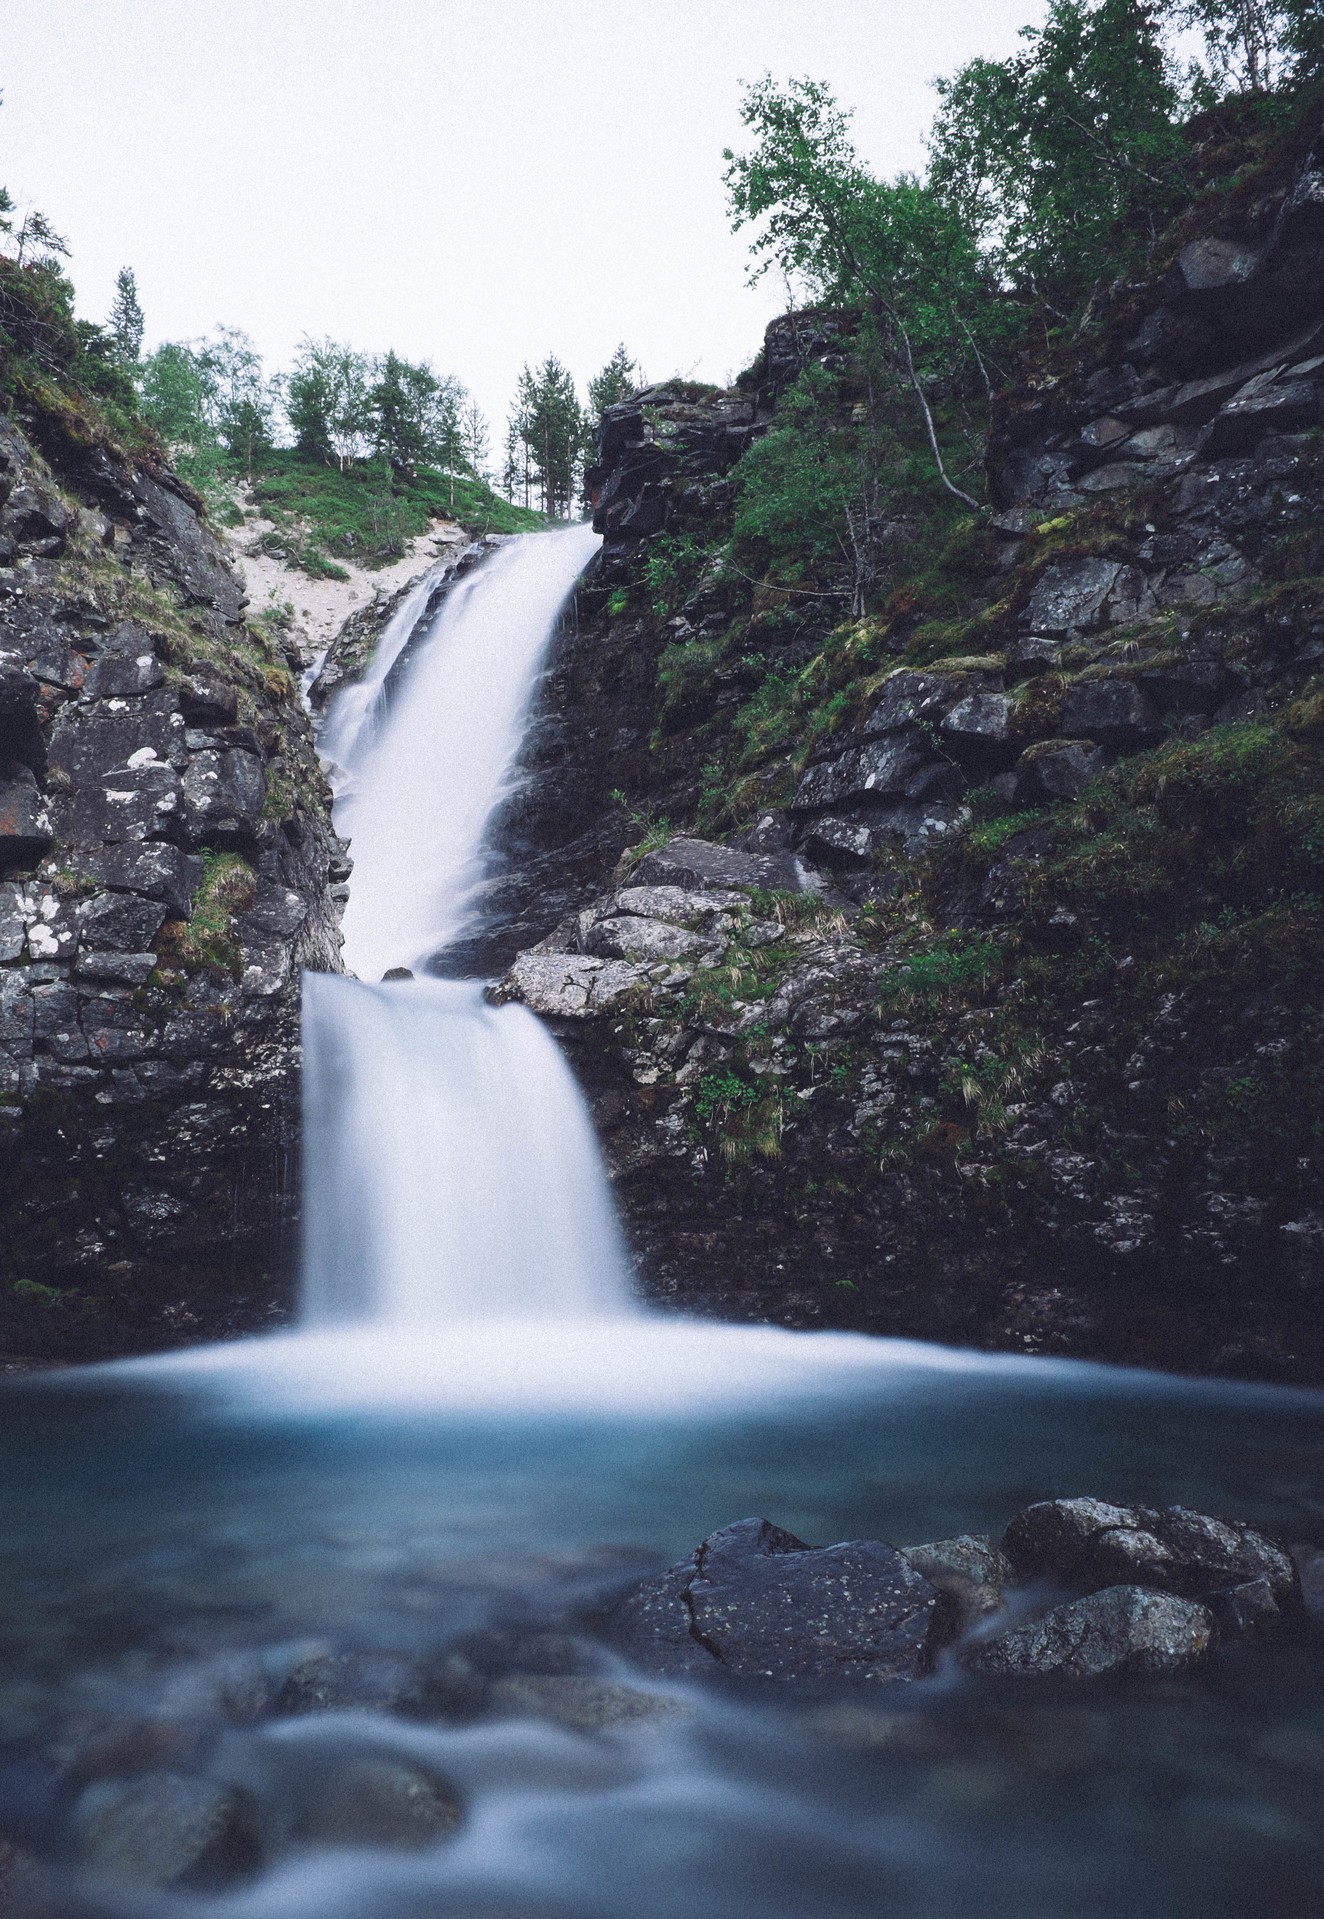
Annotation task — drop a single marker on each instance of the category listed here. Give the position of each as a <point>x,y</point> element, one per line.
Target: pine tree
<point>126,318</point>
<point>38,242</point>
<point>557,434</point>
<point>520,463</point>
<point>616,382</point>
<point>474,439</point>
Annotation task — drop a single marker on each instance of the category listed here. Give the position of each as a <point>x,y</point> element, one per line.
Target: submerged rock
<point>344,1682</point>
<point>579,1702</point>
<point>377,1802</point>
<point>161,1828</point>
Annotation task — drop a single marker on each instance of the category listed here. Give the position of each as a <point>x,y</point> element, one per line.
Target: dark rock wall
<point>1149,583</point>
<point>166,861</point>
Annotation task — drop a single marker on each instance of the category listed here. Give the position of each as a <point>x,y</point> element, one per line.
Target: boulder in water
<point>161,1828</point>
<point>375,1801</point>
<point>1089,1543</point>
<point>754,1601</point>
<point>971,1573</point>
<point>1122,1629</point>
<point>352,1681</point>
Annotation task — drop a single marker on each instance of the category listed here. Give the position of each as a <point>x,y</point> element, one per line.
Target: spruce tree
<point>474,439</point>
<point>616,382</point>
<point>126,318</point>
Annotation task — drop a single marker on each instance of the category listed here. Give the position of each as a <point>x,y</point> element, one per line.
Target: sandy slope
<point>321,607</point>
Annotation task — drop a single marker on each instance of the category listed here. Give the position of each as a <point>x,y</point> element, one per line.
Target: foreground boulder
<point>1159,1590</point>
<point>1123,1629</point>
<point>163,1828</point>
<point>970,1572</point>
<point>756,1601</point>
<point>1089,1543</point>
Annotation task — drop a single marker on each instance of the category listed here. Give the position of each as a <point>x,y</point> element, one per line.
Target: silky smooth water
<point>474,1434</point>
<point>423,764</point>
<point>163,1537</point>
<point>452,1169</point>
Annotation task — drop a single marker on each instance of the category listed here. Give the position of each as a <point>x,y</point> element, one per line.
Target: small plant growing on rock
<point>207,942</point>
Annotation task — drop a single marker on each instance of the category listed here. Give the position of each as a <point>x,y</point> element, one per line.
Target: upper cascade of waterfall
<point>358,710</point>
<point>422,765</point>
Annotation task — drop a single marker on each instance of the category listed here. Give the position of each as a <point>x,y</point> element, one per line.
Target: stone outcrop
<point>166,866</point>
<point>1088,1543</point>
<point>1123,1629</point>
<point>830,1122</point>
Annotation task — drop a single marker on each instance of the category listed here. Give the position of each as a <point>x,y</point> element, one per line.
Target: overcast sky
<point>478,182</point>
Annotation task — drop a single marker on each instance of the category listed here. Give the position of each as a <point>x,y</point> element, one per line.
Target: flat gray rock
<point>570,985</point>
<point>755,1601</point>
<point>701,864</point>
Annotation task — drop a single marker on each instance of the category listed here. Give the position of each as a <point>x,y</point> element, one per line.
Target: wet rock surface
<point>165,861</point>
<point>755,1601</point>
<point>200,1772</point>
<point>807,1129</point>
<point>163,1829</point>
<point>1087,1542</point>
<point>1121,1629</point>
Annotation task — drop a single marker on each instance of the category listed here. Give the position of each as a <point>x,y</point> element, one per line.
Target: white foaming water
<point>358,710</point>
<point>452,1172</point>
<point>461,1248</point>
<point>419,782</point>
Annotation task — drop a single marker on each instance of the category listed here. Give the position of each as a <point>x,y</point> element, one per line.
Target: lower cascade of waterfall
<point>452,1168</point>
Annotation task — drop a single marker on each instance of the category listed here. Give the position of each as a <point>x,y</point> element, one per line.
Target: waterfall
<point>359,709</point>
<point>451,1173</point>
<point>423,766</point>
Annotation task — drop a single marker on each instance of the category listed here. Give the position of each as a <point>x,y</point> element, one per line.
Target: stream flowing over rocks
<point>232,1762</point>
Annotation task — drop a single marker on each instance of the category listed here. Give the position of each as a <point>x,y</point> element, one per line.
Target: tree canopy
<point>616,382</point>
<point>546,439</point>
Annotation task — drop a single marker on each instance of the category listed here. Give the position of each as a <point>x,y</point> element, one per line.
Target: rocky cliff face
<point>997,1018</point>
<point>166,865</point>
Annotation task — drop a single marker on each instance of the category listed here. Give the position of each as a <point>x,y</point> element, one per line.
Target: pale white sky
<point>478,182</point>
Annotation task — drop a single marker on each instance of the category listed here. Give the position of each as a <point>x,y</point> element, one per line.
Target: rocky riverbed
<point>1075,1599</point>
